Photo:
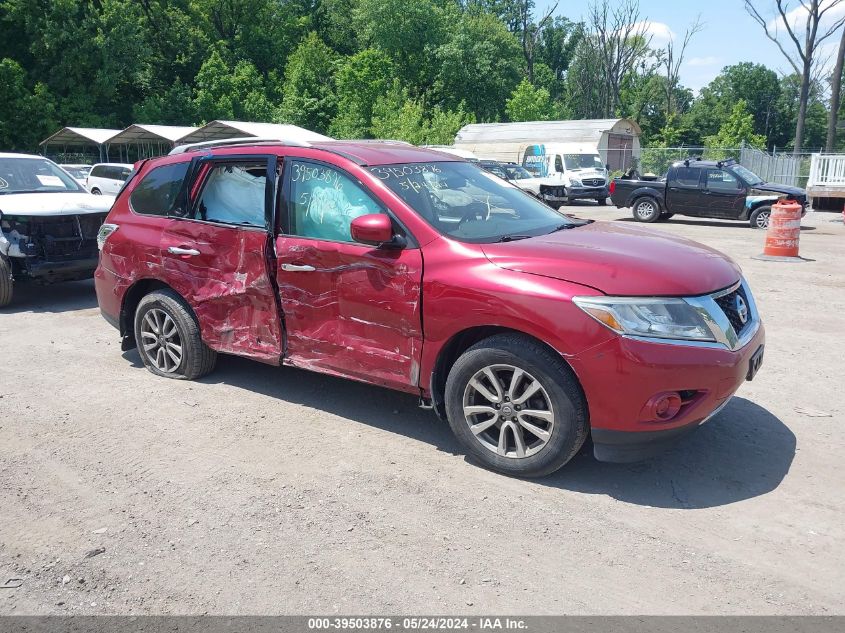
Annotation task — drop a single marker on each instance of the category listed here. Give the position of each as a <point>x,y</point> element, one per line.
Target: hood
<point>619,260</point>
<point>774,187</point>
<point>586,173</point>
<point>43,204</point>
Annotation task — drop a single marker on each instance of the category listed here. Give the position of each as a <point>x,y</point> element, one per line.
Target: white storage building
<point>616,140</point>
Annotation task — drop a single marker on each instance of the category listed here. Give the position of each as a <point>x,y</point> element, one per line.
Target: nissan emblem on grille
<point>741,308</point>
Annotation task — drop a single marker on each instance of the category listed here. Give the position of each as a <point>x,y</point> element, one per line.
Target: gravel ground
<point>265,491</point>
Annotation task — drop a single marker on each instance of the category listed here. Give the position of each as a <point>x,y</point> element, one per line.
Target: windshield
<point>518,173</point>
<point>76,172</point>
<point>747,175</point>
<point>33,175</point>
<point>574,162</point>
<point>469,204</point>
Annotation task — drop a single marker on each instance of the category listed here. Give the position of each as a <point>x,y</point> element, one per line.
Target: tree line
<point>416,70</point>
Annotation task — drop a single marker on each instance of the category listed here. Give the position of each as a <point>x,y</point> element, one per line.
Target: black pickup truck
<point>705,189</point>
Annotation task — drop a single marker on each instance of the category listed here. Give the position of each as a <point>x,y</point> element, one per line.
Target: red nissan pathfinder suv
<point>412,269</point>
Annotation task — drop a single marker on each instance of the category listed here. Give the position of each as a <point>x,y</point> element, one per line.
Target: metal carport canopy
<point>80,136</point>
<point>218,130</point>
<point>139,133</point>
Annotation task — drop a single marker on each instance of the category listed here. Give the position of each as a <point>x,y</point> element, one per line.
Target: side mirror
<point>374,229</point>
<point>607,166</point>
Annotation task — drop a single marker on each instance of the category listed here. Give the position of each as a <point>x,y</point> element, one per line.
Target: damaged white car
<point>48,224</point>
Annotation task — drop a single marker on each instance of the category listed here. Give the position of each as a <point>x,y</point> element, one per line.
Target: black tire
<point>96,192</point>
<point>602,202</point>
<point>646,209</point>
<point>665,216</point>
<point>5,282</point>
<point>559,388</point>
<point>759,218</point>
<point>197,359</point>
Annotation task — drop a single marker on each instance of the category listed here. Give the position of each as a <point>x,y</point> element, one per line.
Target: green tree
<point>528,103</point>
<point>309,98</point>
<point>409,32</point>
<point>359,81</point>
<point>479,65</point>
<point>223,92</point>
<point>172,106</point>
<point>443,125</point>
<point>736,131</point>
<point>396,116</point>
<point>27,116</point>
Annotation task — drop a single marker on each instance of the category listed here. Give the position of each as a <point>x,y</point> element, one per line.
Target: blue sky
<point>729,36</point>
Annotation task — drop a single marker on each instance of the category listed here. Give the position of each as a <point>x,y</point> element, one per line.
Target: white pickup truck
<point>48,224</point>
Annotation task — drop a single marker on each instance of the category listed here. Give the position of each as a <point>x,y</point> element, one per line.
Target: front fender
<point>464,290</point>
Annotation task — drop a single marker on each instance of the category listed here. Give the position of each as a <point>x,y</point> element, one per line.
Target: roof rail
<point>389,141</point>
<point>243,140</point>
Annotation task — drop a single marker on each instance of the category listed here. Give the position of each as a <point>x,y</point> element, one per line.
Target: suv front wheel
<point>168,338</point>
<point>516,406</point>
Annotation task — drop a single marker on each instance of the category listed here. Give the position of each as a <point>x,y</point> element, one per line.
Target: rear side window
<point>156,194</point>
<point>97,171</point>
<point>235,194</point>
<point>687,176</point>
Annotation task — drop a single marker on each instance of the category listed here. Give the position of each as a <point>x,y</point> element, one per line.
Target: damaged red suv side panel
<point>409,268</point>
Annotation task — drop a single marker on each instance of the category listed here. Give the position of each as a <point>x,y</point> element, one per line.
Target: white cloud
<point>797,17</point>
<point>659,31</point>
<point>710,60</point>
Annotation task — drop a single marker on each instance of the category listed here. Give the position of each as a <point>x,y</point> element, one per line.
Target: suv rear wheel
<point>516,406</point>
<point>96,191</point>
<point>646,210</point>
<point>5,282</point>
<point>168,338</point>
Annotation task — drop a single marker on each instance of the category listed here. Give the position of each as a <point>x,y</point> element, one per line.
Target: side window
<point>721,180</point>
<point>323,201</point>
<point>97,172</point>
<point>156,193</point>
<point>234,194</point>
<point>687,176</point>
<point>558,164</point>
<point>124,173</point>
<point>109,172</point>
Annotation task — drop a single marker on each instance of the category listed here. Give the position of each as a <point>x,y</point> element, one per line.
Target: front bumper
<point>575,193</point>
<point>637,370</point>
<point>54,271</point>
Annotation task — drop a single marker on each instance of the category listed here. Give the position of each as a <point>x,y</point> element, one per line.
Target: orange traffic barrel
<point>783,232</point>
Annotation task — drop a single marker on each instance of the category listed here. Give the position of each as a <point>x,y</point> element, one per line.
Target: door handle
<point>175,250</point>
<point>298,268</point>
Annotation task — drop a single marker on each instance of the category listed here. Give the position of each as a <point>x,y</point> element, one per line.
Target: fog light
<point>662,407</point>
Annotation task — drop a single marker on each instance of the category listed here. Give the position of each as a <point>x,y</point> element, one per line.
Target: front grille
<point>64,238</point>
<point>730,306</point>
<point>593,182</point>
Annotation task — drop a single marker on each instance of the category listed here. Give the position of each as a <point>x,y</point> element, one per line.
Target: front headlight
<point>657,318</point>
<point>575,182</point>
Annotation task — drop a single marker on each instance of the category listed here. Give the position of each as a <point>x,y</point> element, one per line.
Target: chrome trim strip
<point>717,410</point>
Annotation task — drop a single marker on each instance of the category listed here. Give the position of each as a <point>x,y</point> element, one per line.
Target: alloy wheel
<point>762,220</point>
<point>160,340</point>
<point>508,411</point>
<point>645,210</point>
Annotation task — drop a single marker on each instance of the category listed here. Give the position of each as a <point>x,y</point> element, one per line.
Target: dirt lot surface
<point>264,490</point>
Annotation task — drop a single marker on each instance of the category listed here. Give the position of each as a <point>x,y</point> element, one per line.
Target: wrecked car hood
<point>619,260</point>
<point>47,204</point>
